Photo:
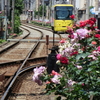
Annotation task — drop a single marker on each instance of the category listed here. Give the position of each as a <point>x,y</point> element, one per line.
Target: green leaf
<point>78,71</point>
<point>98,80</point>
<point>90,69</point>
<point>92,93</point>
<point>90,39</point>
<point>93,63</point>
<point>98,72</point>
<point>82,55</point>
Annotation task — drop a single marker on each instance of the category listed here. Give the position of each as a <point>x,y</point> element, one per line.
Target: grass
<point>2,41</point>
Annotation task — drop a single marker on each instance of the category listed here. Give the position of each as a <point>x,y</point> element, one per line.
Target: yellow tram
<point>61,17</point>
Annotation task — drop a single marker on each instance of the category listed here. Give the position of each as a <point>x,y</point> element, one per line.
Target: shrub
<point>79,61</point>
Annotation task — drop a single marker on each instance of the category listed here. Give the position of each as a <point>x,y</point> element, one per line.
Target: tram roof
<point>62,5</point>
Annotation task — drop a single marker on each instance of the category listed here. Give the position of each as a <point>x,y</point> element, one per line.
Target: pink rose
<point>98,48</point>
<point>62,41</point>
<point>58,56</point>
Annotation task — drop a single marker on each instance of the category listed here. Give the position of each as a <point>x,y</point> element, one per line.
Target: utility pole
<point>87,9</point>
<point>96,5</point>
<point>53,2</point>
<point>71,1</point>
<point>50,6</point>
<point>1,21</point>
<point>5,20</point>
<point>96,8</point>
<point>97,14</point>
<point>75,9</point>
<point>2,5</point>
<point>43,11</point>
<point>38,8</point>
<point>13,4</point>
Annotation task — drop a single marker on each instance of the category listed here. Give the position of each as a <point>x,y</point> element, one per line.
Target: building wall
<point>37,3</point>
<point>82,3</point>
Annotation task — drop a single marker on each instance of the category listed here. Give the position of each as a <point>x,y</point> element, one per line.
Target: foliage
<point>91,7</point>
<point>19,6</point>
<point>40,11</point>
<point>79,61</point>
<point>9,29</point>
<point>1,41</point>
<point>37,22</point>
<point>40,23</point>
<point>17,11</point>
<point>17,24</point>
<point>35,13</point>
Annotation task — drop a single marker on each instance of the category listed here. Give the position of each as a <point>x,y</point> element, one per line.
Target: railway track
<point>56,37</point>
<point>11,88</point>
<point>18,50</point>
<point>11,70</point>
<point>40,27</point>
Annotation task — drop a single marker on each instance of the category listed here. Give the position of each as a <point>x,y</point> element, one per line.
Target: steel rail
<point>20,61</point>
<point>30,67</point>
<point>59,34</point>
<point>17,73</point>
<point>15,42</point>
<point>40,27</point>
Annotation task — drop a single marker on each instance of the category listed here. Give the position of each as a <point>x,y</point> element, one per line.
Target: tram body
<point>61,17</point>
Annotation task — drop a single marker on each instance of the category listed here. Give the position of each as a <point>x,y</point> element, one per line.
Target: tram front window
<point>63,13</point>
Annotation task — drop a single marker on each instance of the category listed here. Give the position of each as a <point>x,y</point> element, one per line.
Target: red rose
<point>82,24</point>
<point>83,84</point>
<point>64,60</point>
<point>97,36</point>
<point>88,36</point>
<point>93,19</point>
<point>74,53</point>
<point>72,16</point>
<point>91,22</point>
<point>71,36</point>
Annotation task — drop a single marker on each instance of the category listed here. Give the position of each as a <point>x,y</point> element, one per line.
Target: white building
<point>82,3</point>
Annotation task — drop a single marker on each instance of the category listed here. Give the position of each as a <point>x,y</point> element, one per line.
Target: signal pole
<point>13,4</point>
<point>38,8</point>
<point>5,23</point>
<point>43,11</point>
<point>97,14</point>
<point>87,9</point>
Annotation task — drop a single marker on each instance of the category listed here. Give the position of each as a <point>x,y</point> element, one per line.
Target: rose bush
<point>79,61</point>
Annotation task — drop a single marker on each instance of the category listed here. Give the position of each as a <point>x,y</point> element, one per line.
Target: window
<point>63,12</point>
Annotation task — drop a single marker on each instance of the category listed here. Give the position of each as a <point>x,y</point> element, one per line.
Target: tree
<point>40,11</point>
<point>17,11</point>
